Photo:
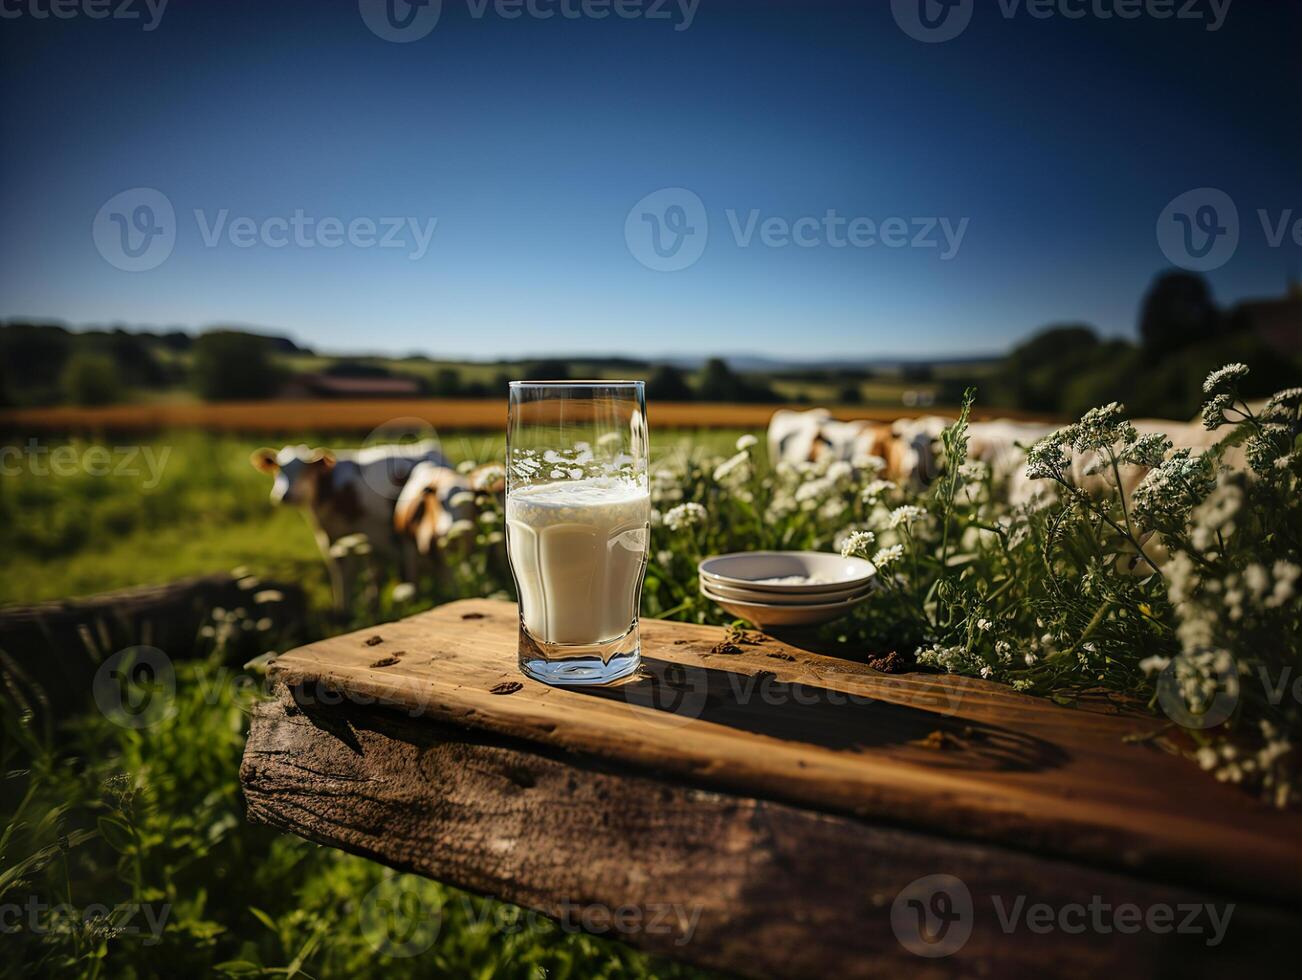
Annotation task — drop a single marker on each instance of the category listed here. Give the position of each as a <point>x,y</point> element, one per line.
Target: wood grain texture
<point>732,882</point>
<point>780,723</point>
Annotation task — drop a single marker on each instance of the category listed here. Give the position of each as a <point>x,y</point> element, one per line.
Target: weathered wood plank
<point>781,723</point>
<point>732,882</point>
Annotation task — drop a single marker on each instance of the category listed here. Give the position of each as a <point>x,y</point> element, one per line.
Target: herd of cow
<point>910,447</point>
<point>406,498</point>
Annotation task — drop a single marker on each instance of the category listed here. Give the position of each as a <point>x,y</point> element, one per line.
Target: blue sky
<point>1059,141</point>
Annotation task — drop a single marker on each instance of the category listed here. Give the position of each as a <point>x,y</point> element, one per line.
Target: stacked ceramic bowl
<point>786,588</point>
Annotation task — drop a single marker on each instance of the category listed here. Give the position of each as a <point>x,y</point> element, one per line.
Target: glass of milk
<point>577,525</point>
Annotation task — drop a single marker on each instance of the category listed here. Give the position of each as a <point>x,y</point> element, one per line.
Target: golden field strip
<point>363,415</point>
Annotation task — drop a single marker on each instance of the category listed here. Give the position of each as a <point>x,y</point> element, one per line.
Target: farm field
<point>191,504</point>
<point>450,414</point>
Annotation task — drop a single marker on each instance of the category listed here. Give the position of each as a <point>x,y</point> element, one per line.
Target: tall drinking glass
<point>577,525</point>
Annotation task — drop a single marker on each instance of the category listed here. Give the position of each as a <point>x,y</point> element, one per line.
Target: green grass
<point>109,816</point>
<point>206,511</point>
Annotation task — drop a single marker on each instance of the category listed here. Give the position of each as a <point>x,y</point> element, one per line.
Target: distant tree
<point>850,394</point>
<point>232,365</point>
<point>1051,345</point>
<point>1035,372</point>
<point>1178,312</point>
<point>357,369</point>
<point>668,384</point>
<point>917,372</point>
<point>90,379</point>
<point>33,355</point>
<point>447,383</point>
<point>719,383</point>
<point>550,370</point>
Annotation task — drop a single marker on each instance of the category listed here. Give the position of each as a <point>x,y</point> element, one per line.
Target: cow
<point>436,499</point>
<point>346,495</point>
<point>433,499</point>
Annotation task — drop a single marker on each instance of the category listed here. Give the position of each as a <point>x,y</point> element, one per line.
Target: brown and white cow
<point>346,494</point>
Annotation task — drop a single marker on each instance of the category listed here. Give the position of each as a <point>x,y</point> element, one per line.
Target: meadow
<point>151,819</point>
<point>1089,587</point>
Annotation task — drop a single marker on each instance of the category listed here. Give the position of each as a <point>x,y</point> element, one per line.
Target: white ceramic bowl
<point>782,598</point>
<point>770,614</point>
<point>747,569</point>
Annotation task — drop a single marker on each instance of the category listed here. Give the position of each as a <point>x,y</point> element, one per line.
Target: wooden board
<point>742,884</point>
<point>779,723</point>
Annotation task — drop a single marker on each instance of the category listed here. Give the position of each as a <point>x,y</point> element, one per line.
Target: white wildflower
<point>466,465</point>
<point>404,592</point>
<point>833,509</point>
<point>733,470</point>
<point>460,528</point>
<point>1286,576</point>
<point>1101,428</point>
<point>1154,664</point>
<point>858,543</point>
<point>840,470</point>
<point>685,516</point>
<point>984,625</point>
<point>888,556</point>
<point>906,515</point>
<point>876,489</point>
<point>1148,450</point>
<point>268,595</point>
<point>1214,411</point>
<point>1046,460</point>
<point>1224,377</point>
<point>487,476</point>
<point>746,442</point>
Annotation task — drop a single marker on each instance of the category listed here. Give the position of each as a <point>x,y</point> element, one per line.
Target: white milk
<point>578,548</point>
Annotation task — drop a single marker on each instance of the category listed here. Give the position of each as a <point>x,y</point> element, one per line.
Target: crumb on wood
<point>743,637</point>
<point>890,663</point>
<point>941,741</point>
<point>472,615</point>
<point>506,687</point>
<point>385,662</point>
<point>723,646</point>
<point>374,640</point>
<point>782,656</point>
<point>764,675</point>
<point>679,643</point>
